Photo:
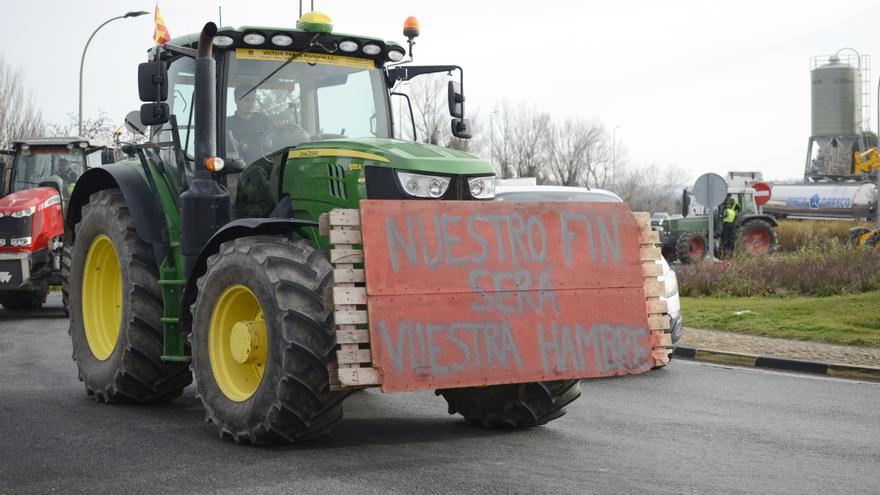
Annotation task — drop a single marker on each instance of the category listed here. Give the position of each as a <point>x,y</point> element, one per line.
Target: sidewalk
<point>782,348</point>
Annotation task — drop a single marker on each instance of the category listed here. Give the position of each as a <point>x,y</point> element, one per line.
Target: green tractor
<point>686,238</point>
<point>200,256</point>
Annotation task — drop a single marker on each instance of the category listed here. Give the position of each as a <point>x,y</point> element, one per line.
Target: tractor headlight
<point>254,39</point>
<point>348,46</point>
<point>482,187</point>
<point>282,40</point>
<point>423,186</point>
<point>371,49</point>
<point>223,41</point>
<point>395,55</point>
<point>20,242</point>
<point>24,213</point>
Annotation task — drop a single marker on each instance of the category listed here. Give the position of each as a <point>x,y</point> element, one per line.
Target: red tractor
<point>34,190</point>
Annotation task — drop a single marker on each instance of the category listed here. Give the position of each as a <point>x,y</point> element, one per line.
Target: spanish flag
<point>160,34</point>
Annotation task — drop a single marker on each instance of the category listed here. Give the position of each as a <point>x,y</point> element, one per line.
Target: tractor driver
<point>67,174</point>
<point>249,128</point>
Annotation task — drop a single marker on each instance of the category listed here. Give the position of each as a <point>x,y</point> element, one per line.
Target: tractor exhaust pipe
<point>204,207</point>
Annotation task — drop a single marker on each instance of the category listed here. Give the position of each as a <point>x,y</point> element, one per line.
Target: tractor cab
<point>51,162</point>
<point>38,182</point>
<point>309,103</point>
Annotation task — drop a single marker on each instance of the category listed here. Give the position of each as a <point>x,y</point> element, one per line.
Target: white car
<point>530,192</point>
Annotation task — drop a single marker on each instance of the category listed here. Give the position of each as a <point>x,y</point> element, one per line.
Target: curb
<point>776,363</point>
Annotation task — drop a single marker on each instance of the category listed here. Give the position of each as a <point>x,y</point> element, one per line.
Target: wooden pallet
<point>658,317</point>
<point>351,366</point>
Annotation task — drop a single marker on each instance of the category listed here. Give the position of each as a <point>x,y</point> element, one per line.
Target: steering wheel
<point>290,134</point>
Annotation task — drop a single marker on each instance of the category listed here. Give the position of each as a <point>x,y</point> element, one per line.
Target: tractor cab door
<point>5,176</point>
<point>181,91</point>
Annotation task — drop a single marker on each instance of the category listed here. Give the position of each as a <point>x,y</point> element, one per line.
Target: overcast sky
<point>704,85</point>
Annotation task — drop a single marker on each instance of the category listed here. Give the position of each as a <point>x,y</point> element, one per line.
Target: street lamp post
<point>614,152</point>
<point>137,13</point>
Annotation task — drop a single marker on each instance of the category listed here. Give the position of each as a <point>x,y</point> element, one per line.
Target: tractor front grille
<point>14,228</point>
<point>337,180</point>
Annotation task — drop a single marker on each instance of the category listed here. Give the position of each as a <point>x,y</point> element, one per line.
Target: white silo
<point>838,100</point>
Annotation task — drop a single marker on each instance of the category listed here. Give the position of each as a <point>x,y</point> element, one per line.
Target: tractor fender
<point>148,218</point>
<point>767,218</point>
<point>243,227</point>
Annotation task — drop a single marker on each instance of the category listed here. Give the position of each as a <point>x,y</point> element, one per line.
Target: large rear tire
<point>691,247</point>
<point>519,405</point>
<point>756,238</point>
<point>116,309</point>
<point>262,339</point>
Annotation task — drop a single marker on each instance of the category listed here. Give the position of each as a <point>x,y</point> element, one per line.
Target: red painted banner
<point>481,293</point>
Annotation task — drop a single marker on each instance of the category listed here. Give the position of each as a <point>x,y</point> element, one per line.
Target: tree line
<point>522,141</point>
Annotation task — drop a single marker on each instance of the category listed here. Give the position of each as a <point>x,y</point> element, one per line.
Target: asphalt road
<point>690,428</point>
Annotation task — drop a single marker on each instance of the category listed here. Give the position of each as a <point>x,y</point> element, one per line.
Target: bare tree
<point>100,128</point>
<point>501,131</point>
<point>431,115</point>
<point>19,115</point>
<point>579,154</point>
<point>519,141</point>
<point>651,188</point>
<point>429,109</point>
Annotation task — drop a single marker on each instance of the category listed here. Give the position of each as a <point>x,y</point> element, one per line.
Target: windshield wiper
<point>312,43</point>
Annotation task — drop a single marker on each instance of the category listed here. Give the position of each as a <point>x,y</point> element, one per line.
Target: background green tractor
<point>686,238</point>
<point>200,256</point>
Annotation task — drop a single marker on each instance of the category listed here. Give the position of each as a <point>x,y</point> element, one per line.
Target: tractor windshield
<point>56,167</point>
<point>314,97</point>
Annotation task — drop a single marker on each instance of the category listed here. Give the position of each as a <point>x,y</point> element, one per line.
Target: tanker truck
<point>824,200</point>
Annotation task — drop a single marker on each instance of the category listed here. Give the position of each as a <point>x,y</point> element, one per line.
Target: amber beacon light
<point>411,27</point>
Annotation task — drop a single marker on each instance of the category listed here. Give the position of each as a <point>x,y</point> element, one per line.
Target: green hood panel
<point>407,155</point>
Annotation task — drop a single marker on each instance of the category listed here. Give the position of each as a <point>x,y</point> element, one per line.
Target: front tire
<point>520,405</point>
<point>757,238</point>
<point>25,299</point>
<point>116,309</point>
<point>261,341</point>
<point>691,247</point>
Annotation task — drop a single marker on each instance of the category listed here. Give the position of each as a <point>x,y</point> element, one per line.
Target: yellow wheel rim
<point>238,343</point>
<point>102,297</point>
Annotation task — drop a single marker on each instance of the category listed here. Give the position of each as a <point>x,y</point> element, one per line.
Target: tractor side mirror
<point>154,113</point>
<point>153,81</point>
<point>456,100</point>
<point>461,128</point>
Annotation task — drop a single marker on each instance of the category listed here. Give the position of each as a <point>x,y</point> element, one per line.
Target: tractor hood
<point>405,155</point>
<point>38,198</point>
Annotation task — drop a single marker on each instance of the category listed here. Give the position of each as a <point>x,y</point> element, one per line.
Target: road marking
<point>765,371</point>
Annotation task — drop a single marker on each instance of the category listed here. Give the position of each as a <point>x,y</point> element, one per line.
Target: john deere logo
<point>5,277</point>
